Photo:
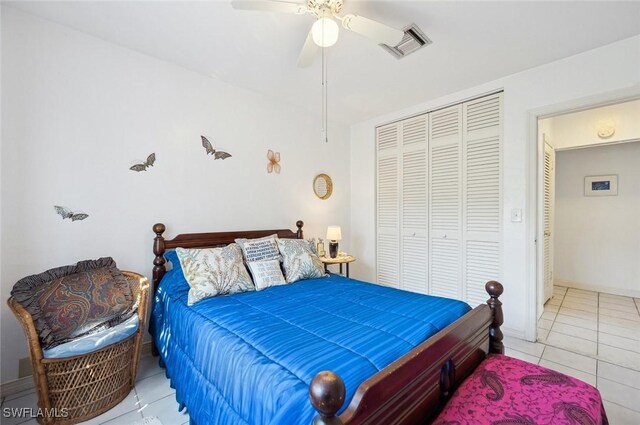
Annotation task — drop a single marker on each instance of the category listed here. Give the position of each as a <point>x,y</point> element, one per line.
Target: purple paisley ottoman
<point>508,391</point>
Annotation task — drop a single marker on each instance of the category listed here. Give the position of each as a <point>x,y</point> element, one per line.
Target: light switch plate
<point>516,215</point>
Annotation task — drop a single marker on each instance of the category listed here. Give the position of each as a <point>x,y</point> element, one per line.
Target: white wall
<point>581,76</point>
<point>581,128</point>
<point>76,111</point>
<point>597,238</point>
<point>545,132</point>
<point>1,149</point>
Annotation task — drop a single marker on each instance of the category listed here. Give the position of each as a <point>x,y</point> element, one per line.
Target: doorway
<point>586,233</point>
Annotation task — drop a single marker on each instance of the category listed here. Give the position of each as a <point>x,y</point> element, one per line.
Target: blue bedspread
<point>249,358</point>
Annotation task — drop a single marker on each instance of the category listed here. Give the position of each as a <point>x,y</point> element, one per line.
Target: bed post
<point>495,289</point>
<point>299,233</point>
<point>158,250</point>
<point>158,268</point>
<point>327,394</point>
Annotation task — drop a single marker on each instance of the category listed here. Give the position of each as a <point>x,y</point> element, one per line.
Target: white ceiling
<point>474,42</point>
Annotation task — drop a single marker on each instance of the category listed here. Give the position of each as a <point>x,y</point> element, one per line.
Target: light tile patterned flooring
<point>592,336</point>
<point>151,396</point>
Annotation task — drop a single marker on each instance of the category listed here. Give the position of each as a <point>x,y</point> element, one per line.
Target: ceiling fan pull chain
<point>325,94</point>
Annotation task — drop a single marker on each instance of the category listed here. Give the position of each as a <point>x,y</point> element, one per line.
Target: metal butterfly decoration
<point>274,158</point>
<point>210,150</point>
<point>67,213</point>
<point>142,166</point>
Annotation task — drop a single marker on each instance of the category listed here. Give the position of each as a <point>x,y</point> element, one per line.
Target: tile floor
<point>151,396</point>
<point>592,336</point>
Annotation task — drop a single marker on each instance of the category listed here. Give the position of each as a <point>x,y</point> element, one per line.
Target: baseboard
<point>513,333</point>
<point>598,288</point>
<point>16,386</point>
<point>26,383</point>
<point>145,350</point>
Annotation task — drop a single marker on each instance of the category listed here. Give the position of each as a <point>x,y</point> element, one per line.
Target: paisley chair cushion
<point>72,301</point>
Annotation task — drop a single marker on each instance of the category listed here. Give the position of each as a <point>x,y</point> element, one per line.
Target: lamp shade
<point>325,32</point>
<point>334,233</point>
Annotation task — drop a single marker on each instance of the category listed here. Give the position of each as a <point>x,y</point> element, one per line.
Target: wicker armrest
<point>29,328</point>
<point>140,289</point>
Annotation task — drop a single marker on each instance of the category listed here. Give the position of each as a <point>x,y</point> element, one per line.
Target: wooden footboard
<point>415,387</point>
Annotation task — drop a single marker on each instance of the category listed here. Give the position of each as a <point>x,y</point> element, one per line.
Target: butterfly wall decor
<point>210,150</point>
<point>274,159</point>
<point>142,166</point>
<point>67,213</point>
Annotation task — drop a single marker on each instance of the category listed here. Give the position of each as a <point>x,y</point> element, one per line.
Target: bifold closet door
<point>413,204</point>
<point>481,200</point>
<point>445,175</point>
<point>439,203</point>
<point>388,205</point>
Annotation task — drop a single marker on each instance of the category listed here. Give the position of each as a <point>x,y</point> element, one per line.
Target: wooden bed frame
<point>412,389</point>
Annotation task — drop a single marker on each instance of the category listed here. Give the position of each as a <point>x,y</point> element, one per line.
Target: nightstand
<point>341,259</point>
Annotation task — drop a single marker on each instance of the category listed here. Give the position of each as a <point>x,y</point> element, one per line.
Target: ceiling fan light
<point>325,32</point>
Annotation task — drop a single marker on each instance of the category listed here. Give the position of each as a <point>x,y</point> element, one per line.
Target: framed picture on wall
<point>601,185</point>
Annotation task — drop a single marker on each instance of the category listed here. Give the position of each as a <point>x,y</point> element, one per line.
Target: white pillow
<point>214,271</point>
<point>259,249</point>
<point>266,273</point>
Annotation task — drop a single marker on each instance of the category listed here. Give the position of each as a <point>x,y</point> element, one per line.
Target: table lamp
<point>334,235</point>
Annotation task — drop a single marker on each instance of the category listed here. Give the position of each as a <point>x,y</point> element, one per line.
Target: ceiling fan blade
<point>374,30</point>
<point>308,53</point>
<point>269,6</point>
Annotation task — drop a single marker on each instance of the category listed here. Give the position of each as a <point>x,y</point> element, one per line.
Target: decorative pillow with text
<point>259,249</point>
<point>266,273</point>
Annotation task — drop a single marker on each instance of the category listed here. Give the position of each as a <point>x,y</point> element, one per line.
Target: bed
<point>257,357</point>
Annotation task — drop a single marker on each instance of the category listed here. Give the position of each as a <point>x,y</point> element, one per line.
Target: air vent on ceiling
<point>414,39</point>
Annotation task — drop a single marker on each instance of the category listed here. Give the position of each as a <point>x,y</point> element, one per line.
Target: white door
<point>445,175</point>
<point>388,208</point>
<point>439,200</point>
<point>481,195</point>
<point>413,205</point>
<point>549,195</point>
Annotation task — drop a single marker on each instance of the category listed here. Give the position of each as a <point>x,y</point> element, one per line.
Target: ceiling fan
<point>324,32</point>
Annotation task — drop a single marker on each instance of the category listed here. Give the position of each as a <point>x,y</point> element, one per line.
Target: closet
<point>439,204</point>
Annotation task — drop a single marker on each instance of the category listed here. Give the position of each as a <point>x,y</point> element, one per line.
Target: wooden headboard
<point>205,240</point>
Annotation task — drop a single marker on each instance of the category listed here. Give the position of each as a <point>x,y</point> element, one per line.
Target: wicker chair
<point>87,385</point>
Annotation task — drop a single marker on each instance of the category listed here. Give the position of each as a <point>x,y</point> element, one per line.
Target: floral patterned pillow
<point>299,260</point>
<point>214,271</point>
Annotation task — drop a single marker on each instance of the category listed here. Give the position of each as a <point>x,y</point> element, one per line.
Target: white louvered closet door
<point>481,200</point>
<point>445,175</point>
<point>549,195</point>
<point>388,204</point>
<point>413,202</point>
